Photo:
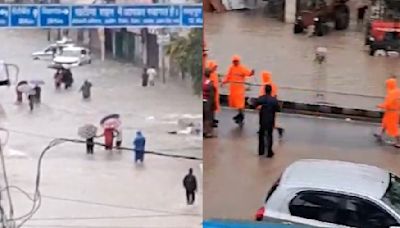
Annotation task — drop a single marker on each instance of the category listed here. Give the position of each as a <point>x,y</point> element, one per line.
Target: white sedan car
<point>73,56</point>
<point>325,193</point>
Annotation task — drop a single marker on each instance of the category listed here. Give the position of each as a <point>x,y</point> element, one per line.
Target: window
<point>374,216</point>
<point>315,205</point>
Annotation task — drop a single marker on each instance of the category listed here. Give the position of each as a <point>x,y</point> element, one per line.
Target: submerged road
<point>236,179</point>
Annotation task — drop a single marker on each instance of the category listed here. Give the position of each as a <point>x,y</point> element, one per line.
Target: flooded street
<point>267,44</point>
<point>107,189</point>
<point>236,179</point>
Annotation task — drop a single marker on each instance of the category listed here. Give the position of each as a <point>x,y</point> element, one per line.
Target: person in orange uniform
<point>391,107</point>
<point>266,79</point>
<point>212,65</point>
<point>236,76</point>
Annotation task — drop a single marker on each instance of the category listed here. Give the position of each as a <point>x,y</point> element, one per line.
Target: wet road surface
<point>107,189</point>
<point>267,44</point>
<point>236,179</point>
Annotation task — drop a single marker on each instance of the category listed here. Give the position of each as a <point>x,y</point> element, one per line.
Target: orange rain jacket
<point>391,107</point>
<point>212,65</point>
<point>236,76</point>
<point>267,80</point>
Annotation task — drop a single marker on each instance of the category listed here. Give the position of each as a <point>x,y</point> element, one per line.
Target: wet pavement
<point>236,179</point>
<point>267,44</point>
<point>107,189</point>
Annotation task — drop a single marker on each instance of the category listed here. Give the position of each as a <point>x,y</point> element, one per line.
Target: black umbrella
<point>112,116</point>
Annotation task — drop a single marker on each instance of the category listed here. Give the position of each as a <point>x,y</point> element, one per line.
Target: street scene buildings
<point>108,84</point>
<point>335,62</point>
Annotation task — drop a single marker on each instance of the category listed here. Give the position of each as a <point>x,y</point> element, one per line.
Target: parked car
<point>323,193</point>
<point>73,56</point>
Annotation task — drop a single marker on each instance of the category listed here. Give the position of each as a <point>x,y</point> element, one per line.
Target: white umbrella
<point>24,88</point>
<point>87,131</point>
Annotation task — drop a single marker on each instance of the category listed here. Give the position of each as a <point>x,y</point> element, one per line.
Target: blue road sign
<point>4,16</point>
<point>192,16</point>
<point>24,15</point>
<point>149,15</point>
<point>93,15</point>
<point>54,16</point>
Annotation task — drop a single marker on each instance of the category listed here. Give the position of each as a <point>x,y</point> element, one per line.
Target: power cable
<point>3,164</point>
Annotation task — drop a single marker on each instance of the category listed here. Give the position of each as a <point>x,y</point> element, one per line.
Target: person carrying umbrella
<point>139,146</point>
<point>31,99</point>
<point>88,132</point>
<point>58,76</point>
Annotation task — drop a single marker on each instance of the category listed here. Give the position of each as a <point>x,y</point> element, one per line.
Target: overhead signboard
<point>108,15</point>
<point>192,16</point>
<point>24,16</point>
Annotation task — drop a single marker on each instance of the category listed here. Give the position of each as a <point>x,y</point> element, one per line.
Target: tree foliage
<point>187,52</point>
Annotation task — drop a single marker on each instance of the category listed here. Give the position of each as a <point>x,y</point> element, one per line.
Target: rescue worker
<point>212,65</point>
<point>266,79</point>
<point>391,107</point>
<point>208,104</point>
<point>236,76</point>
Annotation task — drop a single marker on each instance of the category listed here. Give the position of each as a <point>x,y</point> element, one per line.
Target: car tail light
<point>260,214</point>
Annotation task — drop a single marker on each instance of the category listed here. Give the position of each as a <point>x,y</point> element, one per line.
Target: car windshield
<point>392,195</point>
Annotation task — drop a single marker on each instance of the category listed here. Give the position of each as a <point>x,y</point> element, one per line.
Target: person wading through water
<point>208,104</point>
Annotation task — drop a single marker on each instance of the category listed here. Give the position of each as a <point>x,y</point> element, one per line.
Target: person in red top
<point>236,77</point>
<point>208,104</point>
<point>108,138</point>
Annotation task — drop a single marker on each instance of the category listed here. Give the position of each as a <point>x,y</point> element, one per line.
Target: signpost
<point>94,15</point>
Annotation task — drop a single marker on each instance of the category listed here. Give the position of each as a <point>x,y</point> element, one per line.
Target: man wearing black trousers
<point>269,107</point>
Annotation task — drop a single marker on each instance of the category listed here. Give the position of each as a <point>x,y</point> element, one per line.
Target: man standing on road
<point>266,79</point>
<point>190,184</point>
<point>236,76</point>
<point>269,107</point>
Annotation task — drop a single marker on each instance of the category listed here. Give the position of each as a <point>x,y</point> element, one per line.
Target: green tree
<point>187,52</point>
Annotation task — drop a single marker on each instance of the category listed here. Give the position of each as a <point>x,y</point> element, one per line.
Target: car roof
<point>339,176</point>
<point>74,48</point>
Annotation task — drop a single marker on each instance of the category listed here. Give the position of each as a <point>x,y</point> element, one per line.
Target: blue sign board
<point>4,16</point>
<point>192,16</point>
<point>24,16</point>
<point>149,15</point>
<point>54,16</point>
<point>94,15</point>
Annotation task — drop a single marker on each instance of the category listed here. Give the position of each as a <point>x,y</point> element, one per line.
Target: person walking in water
<point>190,185</point>
<point>38,94</point>
<point>152,73</point>
<point>145,77</point>
<point>236,77</point>
<point>119,138</point>
<point>89,145</point>
<point>86,89</point>
<point>139,144</point>
<point>108,138</point>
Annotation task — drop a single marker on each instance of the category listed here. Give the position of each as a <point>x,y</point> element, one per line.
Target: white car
<point>325,193</point>
<point>73,56</point>
<point>50,51</point>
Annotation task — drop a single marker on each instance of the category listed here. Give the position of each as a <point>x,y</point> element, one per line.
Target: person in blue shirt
<point>139,146</point>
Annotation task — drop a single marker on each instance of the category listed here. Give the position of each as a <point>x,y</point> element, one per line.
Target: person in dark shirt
<point>269,107</point>
<point>190,184</point>
<point>361,14</point>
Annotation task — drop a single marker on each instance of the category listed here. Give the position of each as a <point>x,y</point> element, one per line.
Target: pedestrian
<point>89,145</point>
<point>38,94</point>
<point>119,138</point>
<point>145,77</point>
<point>58,77</point>
<point>208,104</point>
<point>212,65</point>
<point>67,78</point>
<point>269,107</point>
<point>108,138</point>
<point>391,107</point>
<point>266,79</point>
<point>236,76</point>
<point>361,14</point>
<point>139,144</point>
<point>86,89</point>
<point>19,97</point>
<point>190,185</point>
<point>31,100</point>
<point>152,73</point>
